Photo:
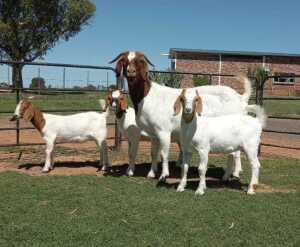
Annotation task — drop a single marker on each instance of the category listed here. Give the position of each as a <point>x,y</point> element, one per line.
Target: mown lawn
<point>69,101</point>
<point>121,211</point>
<point>89,100</point>
<point>282,107</point>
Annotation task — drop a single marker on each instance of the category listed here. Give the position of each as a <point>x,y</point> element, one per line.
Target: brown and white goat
<point>76,127</point>
<point>125,117</point>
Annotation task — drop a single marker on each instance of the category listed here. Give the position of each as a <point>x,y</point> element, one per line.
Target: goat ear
<point>124,103</point>
<point>108,99</point>
<point>29,112</point>
<point>177,105</point>
<point>119,67</point>
<point>199,104</point>
<point>148,61</point>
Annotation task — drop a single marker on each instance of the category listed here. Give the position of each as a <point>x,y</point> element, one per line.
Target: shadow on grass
<point>213,175</point>
<point>66,164</point>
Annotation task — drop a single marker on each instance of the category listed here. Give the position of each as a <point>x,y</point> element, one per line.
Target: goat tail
<point>247,86</point>
<point>259,112</point>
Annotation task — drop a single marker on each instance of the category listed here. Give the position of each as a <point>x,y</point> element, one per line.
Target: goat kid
<point>224,134</point>
<point>76,127</point>
<point>153,104</point>
<point>125,117</point>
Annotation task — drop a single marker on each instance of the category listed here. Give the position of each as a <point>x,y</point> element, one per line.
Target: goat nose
<point>188,110</point>
<point>130,71</point>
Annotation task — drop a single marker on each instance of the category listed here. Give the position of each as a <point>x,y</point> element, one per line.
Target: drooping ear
<point>119,67</point>
<point>144,73</point>
<point>123,103</point>
<point>199,104</point>
<point>177,104</point>
<point>28,112</point>
<point>108,99</point>
<point>144,57</point>
<point>120,62</point>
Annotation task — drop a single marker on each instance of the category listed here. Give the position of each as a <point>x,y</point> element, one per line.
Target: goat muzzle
<point>14,118</point>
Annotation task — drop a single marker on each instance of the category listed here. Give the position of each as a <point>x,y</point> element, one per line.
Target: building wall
<point>239,65</point>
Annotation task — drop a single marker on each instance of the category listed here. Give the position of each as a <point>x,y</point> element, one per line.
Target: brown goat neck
<point>38,120</point>
<point>138,90</point>
<point>120,113</point>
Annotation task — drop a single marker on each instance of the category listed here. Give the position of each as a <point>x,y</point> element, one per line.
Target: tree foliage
<point>259,75</point>
<point>201,80</point>
<point>168,79</point>
<point>37,83</point>
<point>30,28</point>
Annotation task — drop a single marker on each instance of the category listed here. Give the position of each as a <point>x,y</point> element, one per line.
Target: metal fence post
<point>18,121</point>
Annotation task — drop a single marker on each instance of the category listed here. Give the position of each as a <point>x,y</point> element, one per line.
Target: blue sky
<point>155,26</point>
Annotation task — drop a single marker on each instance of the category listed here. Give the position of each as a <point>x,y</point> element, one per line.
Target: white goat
<point>218,134</point>
<point>76,127</point>
<point>125,117</point>
<point>153,104</point>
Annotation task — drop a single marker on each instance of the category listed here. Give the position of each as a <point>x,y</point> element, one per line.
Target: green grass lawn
<point>75,101</point>
<point>89,100</point>
<point>121,211</point>
<point>282,107</point>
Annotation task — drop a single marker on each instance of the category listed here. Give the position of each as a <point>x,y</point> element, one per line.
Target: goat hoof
<point>225,178</point>
<point>129,173</point>
<point>180,189</point>
<point>162,179</point>
<point>250,192</point>
<point>199,192</point>
<point>151,174</point>
<point>45,170</point>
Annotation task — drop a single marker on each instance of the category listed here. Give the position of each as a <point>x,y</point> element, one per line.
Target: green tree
<point>168,79</point>
<point>37,83</point>
<point>259,75</point>
<point>30,28</point>
<point>201,80</point>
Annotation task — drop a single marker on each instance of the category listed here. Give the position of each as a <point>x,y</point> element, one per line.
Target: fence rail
<point>117,138</point>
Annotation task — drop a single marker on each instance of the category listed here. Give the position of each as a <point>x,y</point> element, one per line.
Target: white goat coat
<point>156,113</point>
<point>76,127</point>
<point>128,127</point>
<point>221,134</point>
<point>224,134</point>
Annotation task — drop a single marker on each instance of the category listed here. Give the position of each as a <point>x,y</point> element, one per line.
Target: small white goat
<point>218,134</point>
<point>127,125</point>
<point>76,127</point>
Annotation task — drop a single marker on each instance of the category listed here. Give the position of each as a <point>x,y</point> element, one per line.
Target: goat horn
<point>148,61</point>
<point>118,57</point>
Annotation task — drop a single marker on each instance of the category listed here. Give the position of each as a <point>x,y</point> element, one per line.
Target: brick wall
<point>239,65</point>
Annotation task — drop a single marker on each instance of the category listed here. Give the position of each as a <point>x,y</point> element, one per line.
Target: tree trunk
<point>259,96</point>
<point>17,80</point>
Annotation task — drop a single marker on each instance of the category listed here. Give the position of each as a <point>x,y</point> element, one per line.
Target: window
<point>284,78</point>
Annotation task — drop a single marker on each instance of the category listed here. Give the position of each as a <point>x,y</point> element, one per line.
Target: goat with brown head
<point>118,100</point>
<point>28,112</point>
<point>191,104</point>
<point>134,66</point>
